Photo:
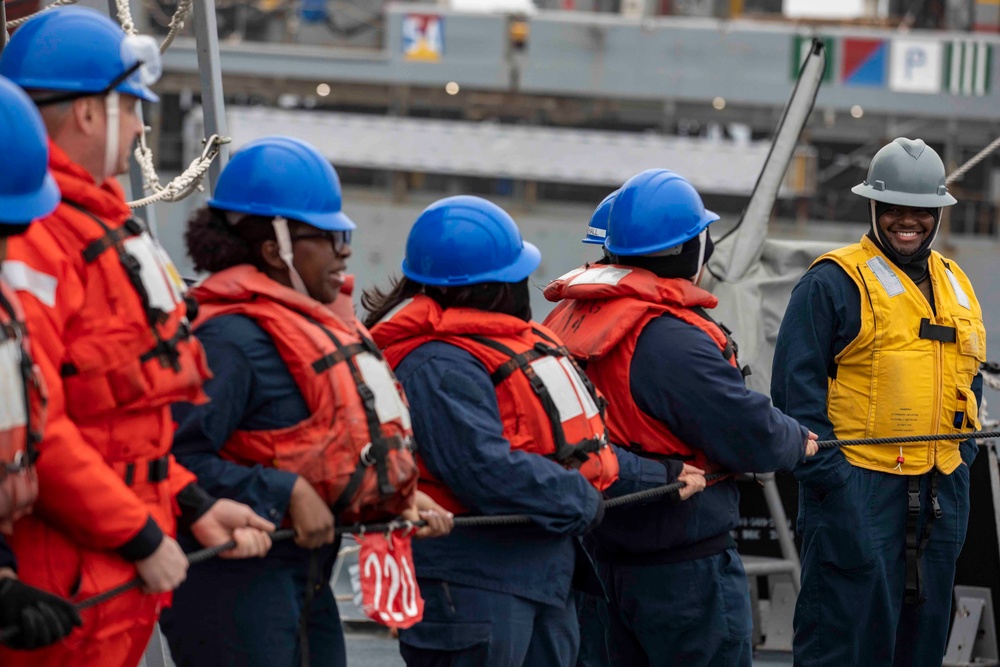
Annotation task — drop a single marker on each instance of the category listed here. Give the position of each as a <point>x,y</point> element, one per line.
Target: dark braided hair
<point>214,244</point>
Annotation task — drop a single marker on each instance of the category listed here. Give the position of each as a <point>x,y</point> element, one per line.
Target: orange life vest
<point>548,406</point>
<point>356,448</point>
<point>603,310</point>
<point>21,414</point>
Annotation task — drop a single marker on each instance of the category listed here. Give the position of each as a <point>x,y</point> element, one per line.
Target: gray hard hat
<point>906,172</point>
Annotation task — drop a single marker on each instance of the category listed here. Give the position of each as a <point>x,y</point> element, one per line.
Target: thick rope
<point>58,3</point>
<point>176,23</point>
<point>979,157</point>
<point>505,519</point>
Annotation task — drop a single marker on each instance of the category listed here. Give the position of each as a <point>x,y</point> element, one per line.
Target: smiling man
<point>883,338</point>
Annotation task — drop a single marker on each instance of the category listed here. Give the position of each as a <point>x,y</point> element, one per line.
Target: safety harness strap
<point>916,544</point>
<point>164,349</point>
<point>14,330</point>
<point>564,451</point>
<point>376,452</point>
<point>731,349</point>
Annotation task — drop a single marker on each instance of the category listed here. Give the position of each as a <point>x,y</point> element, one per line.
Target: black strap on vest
<point>14,330</point>
<point>565,452</point>
<point>376,452</point>
<point>164,349</point>
<point>942,334</point>
<point>916,544</point>
<point>731,349</point>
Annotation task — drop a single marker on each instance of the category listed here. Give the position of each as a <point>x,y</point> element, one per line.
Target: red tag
<point>389,593</point>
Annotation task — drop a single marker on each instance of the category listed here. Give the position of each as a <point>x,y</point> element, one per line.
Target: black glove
<point>41,617</point>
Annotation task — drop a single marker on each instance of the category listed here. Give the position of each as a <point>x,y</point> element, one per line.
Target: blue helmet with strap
<point>467,240</point>
<point>80,52</point>
<point>286,177</point>
<point>597,229</point>
<point>655,210</point>
<point>27,189</point>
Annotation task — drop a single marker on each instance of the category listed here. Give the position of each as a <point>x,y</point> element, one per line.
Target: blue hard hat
<point>282,176</point>
<point>77,50</point>
<point>597,230</point>
<point>655,210</point>
<point>466,240</point>
<point>27,189</point>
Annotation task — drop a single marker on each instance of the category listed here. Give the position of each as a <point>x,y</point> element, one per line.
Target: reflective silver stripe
<point>963,298</point>
<point>23,278</point>
<point>12,408</point>
<point>890,281</point>
<point>389,405</point>
<point>602,275</point>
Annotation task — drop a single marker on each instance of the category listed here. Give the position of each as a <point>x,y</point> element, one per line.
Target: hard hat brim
<point>23,208</point>
<point>708,218</point>
<point>523,266</point>
<point>904,198</point>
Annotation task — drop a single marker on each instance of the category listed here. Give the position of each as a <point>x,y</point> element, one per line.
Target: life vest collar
<point>614,281</point>
<point>245,282</point>
<point>422,316</point>
<point>106,200</point>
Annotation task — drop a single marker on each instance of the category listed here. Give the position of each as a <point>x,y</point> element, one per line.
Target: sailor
<point>507,424</point>
<point>27,191</point>
<point>109,333</point>
<point>287,426</point>
<point>678,591</point>
<point>883,338</point>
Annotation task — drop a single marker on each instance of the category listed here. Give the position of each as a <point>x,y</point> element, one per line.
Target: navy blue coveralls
<point>850,609</point>
<point>679,593</point>
<point>494,597</point>
<point>247,613</point>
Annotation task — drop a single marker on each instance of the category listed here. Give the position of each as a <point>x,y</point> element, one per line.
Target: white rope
<point>979,157</point>
<point>176,23</point>
<point>182,186</point>
<point>58,3</point>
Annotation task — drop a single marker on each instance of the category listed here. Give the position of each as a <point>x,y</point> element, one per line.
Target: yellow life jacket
<point>909,371</point>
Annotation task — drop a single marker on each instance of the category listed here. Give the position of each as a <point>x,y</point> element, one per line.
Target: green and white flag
<point>967,68</point>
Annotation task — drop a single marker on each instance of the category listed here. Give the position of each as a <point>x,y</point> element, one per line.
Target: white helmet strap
<point>284,238</point>
<point>112,111</point>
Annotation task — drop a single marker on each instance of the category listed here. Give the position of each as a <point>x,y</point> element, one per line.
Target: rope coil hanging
<point>185,183</point>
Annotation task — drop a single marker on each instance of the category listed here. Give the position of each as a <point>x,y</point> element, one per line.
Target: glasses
<point>338,239</point>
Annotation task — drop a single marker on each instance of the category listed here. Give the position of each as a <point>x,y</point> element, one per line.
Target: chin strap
<point>280,225</point>
<point>701,254</point>
<point>111,112</point>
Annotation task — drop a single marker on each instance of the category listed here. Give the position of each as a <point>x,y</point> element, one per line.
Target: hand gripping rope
<point>505,519</point>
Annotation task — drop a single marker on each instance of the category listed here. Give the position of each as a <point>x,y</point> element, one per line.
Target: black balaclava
<point>685,264</point>
<point>6,231</point>
<point>915,265</point>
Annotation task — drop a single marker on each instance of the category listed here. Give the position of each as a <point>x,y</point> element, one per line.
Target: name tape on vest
<point>886,276</point>
<point>565,387</point>
<point>604,275</point>
<point>963,298</point>
<point>388,404</point>
<point>22,278</point>
<point>12,409</point>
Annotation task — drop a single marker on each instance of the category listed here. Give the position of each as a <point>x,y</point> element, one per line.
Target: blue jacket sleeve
<point>204,429</point>
<point>636,473</point>
<point>459,433</point>
<point>679,376</point>
<point>822,318</point>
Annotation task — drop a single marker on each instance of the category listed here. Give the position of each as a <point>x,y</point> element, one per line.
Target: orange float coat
<point>547,405</point>
<point>109,333</point>
<point>603,311</point>
<point>21,414</point>
<point>356,447</point>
